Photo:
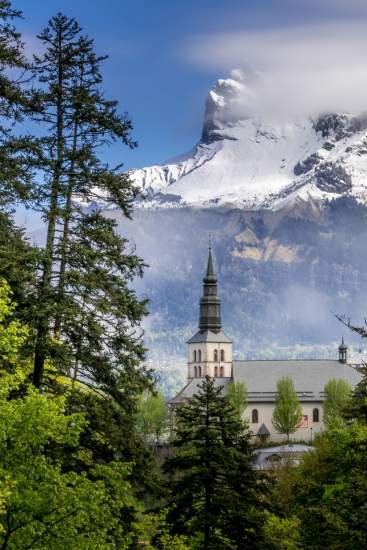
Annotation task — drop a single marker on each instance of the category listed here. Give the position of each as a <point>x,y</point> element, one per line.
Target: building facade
<point>210,353</point>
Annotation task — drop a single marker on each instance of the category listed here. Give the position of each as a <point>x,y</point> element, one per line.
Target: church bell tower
<point>210,350</point>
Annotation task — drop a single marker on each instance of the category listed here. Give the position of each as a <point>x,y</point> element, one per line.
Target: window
<point>221,372</point>
<point>199,354</point>
<point>194,356</point>
<point>316,415</point>
<point>199,372</point>
<point>255,416</point>
<point>222,354</point>
<point>215,355</point>
<point>196,372</point>
<point>216,372</point>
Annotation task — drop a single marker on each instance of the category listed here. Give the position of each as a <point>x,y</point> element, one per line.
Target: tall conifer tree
<point>216,493</point>
<point>85,301</point>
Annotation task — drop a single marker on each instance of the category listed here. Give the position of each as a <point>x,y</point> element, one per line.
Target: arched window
<point>199,372</point>
<point>316,415</point>
<point>215,355</point>
<point>255,416</point>
<point>199,354</point>
<point>195,356</point>
<point>221,372</point>
<point>222,354</point>
<point>196,372</point>
<point>216,372</point>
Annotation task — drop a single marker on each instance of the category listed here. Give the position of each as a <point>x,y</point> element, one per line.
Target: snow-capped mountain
<point>246,162</point>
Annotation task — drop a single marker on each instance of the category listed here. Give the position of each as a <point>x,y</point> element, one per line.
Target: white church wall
<point>265,415</point>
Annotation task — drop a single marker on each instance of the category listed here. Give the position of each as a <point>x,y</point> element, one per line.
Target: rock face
<point>244,161</point>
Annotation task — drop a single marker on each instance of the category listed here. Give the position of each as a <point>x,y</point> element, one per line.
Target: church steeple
<point>210,318</point>
<point>210,350</point>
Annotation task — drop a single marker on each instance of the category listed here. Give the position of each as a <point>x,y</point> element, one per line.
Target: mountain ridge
<point>245,162</point>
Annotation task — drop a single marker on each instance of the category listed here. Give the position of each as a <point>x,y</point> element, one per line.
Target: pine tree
<point>217,495</point>
<point>87,318</point>
<point>287,412</point>
<point>84,298</point>
<point>18,262</point>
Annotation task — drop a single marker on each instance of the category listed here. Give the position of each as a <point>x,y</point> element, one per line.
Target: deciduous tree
<point>338,395</point>
<point>237,396</point>
<point>287,412</point>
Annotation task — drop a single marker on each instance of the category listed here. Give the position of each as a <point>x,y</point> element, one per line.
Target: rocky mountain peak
<point>243,161</point>
<point>226,105</point>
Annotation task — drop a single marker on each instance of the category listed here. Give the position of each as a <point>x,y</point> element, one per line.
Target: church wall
<point>265,414</point>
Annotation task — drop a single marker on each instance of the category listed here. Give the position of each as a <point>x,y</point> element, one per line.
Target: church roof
<point>209,336</point>
<point>309,377</point>
<point>191,389</point>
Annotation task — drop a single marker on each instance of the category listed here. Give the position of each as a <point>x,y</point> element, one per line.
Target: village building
<point>210,353</point>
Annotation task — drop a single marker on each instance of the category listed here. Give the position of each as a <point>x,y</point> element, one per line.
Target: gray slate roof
<point>191,389</point>
<point>309,377</point>
<point>209,336</point>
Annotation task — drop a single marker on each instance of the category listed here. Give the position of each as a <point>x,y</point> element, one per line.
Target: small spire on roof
<point>263,430</point>
<point>343,350</point>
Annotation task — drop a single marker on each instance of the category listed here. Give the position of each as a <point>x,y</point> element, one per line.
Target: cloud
<point>307,69</point>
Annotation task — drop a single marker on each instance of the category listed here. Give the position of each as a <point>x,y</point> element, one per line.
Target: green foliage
<point>53,494</point>
<point>12,333</point>
<point>110,435</point>
<point>287,412</point>
<point>357,406</point>
<point>152,416</point>
<point>283,533</point>
<point>237,396</point>
<point>18,263</point>
<point>216,493</point>
<point>16,101</point>
<point>330,490</point>
<point>338,395</point>
<point>43,505</point>
<point>157,536</point>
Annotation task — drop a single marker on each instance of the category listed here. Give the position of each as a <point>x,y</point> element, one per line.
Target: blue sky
<point>152,70</point>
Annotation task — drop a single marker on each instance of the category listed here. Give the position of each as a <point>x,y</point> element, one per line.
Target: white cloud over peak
<point>309,69</point>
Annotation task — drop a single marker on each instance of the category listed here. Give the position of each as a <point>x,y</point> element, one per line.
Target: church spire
<point>210,302</point>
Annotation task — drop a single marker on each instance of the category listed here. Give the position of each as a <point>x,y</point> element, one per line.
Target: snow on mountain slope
<point>243,161</point>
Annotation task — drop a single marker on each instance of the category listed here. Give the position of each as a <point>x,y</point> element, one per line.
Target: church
<point>210,353</point>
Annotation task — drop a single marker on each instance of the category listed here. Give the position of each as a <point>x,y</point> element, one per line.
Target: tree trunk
<point>44,292</point>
